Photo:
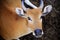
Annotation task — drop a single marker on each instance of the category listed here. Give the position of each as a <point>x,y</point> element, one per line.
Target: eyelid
<point>29,18</point>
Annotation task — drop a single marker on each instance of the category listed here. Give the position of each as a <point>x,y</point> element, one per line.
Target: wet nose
<point>38,33</point>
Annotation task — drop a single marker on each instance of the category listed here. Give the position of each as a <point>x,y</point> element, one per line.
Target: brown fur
<point>13,26</point>
<point>34,14</point>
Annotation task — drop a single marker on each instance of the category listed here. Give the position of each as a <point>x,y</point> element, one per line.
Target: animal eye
<point>29,18</point>
<point>40,17</point>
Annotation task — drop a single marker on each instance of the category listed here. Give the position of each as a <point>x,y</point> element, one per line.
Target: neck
<point>12,4</point>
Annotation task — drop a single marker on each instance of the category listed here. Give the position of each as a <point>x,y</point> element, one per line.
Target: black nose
<point>38,32</point>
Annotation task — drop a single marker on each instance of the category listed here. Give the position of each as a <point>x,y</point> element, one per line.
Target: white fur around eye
<point>29,21</point>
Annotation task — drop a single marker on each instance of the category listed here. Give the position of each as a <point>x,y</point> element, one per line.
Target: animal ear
<point>20,12</point>
<point>47,9</point>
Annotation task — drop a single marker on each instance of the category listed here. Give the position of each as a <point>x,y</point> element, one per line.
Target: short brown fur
<point>13,26</point>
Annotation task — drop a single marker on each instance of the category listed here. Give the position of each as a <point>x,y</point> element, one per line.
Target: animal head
<point>34,16</point>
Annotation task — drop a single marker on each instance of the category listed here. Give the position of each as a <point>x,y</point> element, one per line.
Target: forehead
<point>34,12</point>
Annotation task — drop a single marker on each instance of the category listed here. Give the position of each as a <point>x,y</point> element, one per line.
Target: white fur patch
<point>19,11</point>
<point>47,9</point>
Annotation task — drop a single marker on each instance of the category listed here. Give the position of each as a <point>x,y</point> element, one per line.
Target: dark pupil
<point>29,18</point>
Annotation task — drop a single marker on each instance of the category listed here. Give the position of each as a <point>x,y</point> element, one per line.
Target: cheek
<point>31,25</point>
<point>40,21</point>
<point>40,24</point>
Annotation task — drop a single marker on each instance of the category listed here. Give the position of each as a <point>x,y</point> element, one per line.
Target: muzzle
<point>38,33</point>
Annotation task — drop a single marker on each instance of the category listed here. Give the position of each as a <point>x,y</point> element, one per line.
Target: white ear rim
<point>19,11</point>
<point>47,9</point>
